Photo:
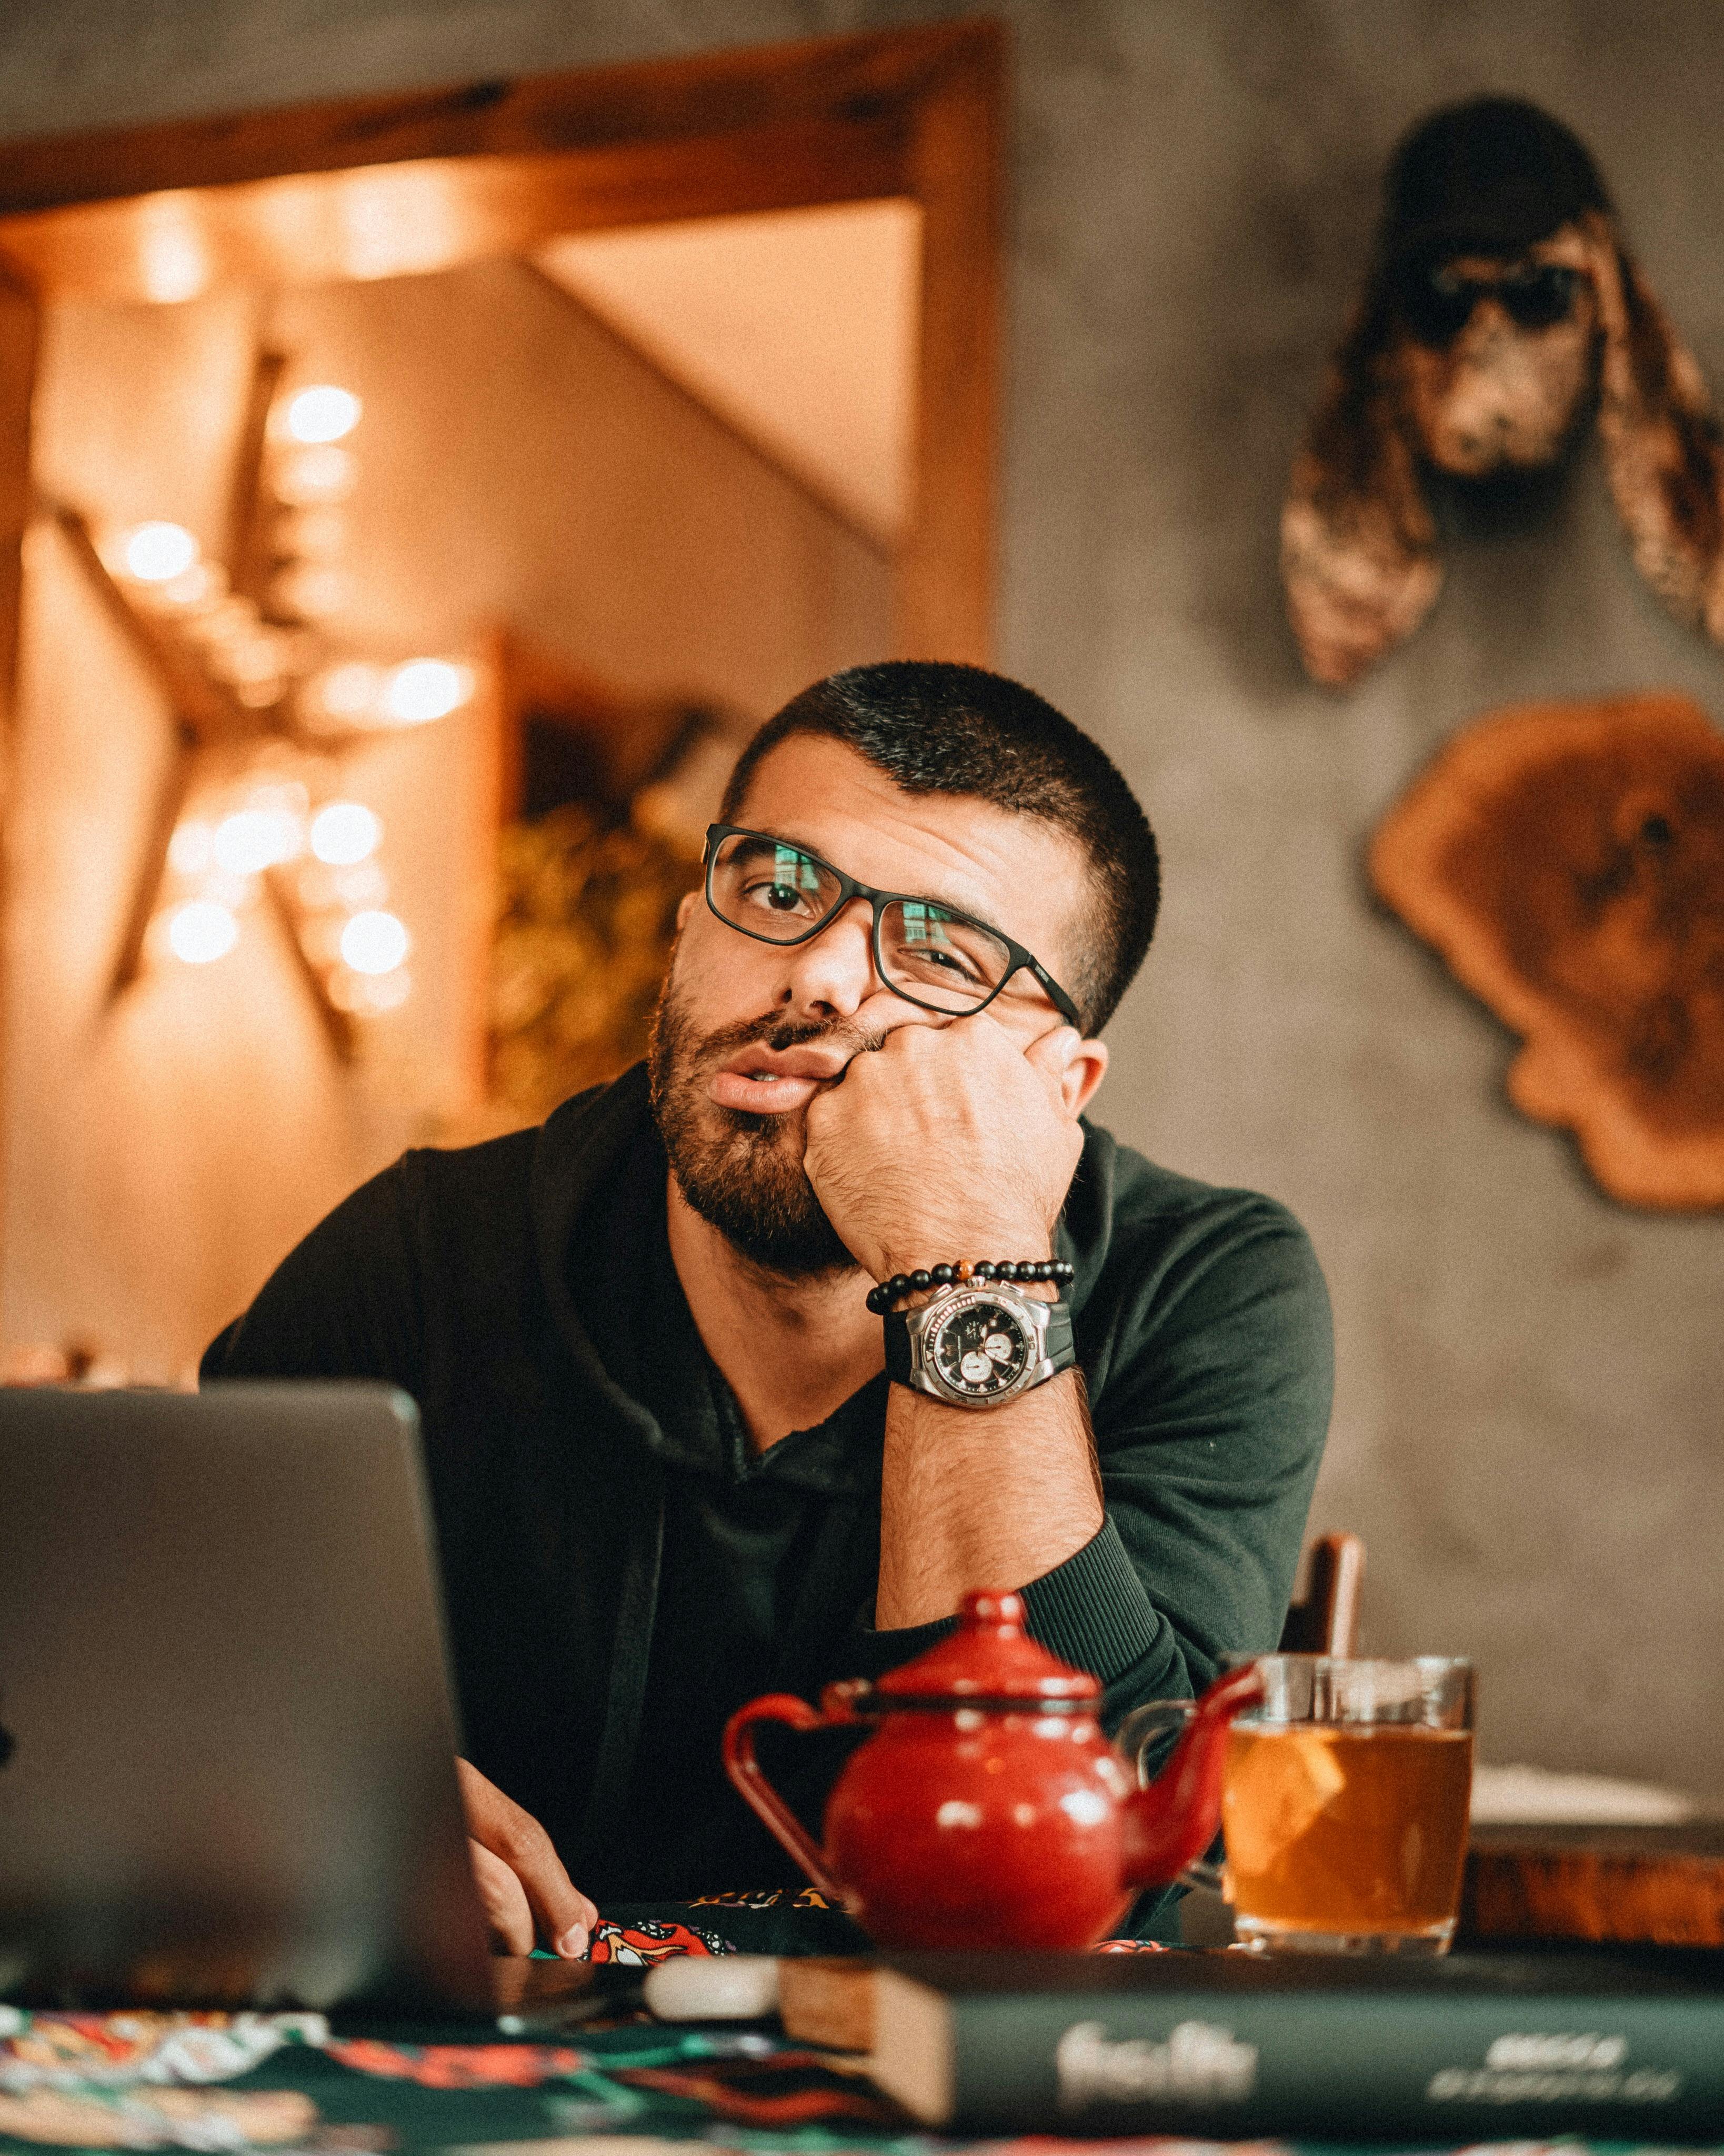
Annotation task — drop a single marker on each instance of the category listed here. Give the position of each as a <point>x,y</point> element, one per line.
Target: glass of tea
<point>1344,1803</point>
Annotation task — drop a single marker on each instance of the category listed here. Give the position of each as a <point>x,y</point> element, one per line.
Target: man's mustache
<point>779,1033</point>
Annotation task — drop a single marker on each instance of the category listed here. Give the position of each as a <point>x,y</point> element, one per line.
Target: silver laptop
<point>225,1716</point>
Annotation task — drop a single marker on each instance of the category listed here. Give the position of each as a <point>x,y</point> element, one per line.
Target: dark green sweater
<point>620,1572</point>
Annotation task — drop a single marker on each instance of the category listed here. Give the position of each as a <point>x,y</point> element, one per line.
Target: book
<point>1625,2045</point>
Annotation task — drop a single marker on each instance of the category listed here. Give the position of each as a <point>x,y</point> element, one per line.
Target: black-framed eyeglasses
<point>923,951</point>
<point>1437,302</point>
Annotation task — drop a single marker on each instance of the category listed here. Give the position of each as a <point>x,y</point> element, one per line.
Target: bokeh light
<point>426,688</point>
<point>157,553</point>
<point>374,942</point>
<point>253,839</point>
<point>350,691</point>
<point>200,932</point>
<point>323,413</point>
<point>320,472</point>
<point>344,832</point>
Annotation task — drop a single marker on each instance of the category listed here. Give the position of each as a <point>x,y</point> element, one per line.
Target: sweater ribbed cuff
<point>1092,1611</point>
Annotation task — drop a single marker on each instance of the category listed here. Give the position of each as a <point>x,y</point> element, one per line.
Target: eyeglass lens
<point>1438,303</point>
<point>932,956</point>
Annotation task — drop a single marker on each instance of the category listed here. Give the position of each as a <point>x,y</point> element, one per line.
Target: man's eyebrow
<point>923,897</point>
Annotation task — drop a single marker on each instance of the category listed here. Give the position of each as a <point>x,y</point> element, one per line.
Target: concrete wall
<point>1528,1426</point>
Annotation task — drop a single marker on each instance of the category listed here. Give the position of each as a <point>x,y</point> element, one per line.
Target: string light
<point>323,413</point>
<point>374,942</point>
<point>201,932</point>
<point>254,839</point>
<point>320,472</point>
<point>155,553</point>
<point>355,947</point>
<point>345,832</point>
<point>426,688</point>
<point>350,691</point>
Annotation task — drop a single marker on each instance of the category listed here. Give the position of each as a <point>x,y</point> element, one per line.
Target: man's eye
<point>941,958</point>
<point>775,897</point>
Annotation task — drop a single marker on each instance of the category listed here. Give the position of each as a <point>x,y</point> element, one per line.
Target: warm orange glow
<point>350,691</point>
<point>345,832</point>
<point>426,688</point>
<point>324,472</point>
<point>201,932</point>
<point>323,413</point>
<point>253,839</point>
<point>157,553</point>
<point>375,942</point>
<point>313,591</point>
<point>188,850</point>
<point>174,250</point>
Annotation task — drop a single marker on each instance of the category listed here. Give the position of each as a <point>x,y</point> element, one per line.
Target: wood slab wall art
<point>1567,861</point>
<point>1501,312</point>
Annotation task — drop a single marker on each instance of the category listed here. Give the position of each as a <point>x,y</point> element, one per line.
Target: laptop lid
<point>229,1743</point>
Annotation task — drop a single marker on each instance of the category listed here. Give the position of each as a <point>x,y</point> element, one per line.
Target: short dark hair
<point>934,727</point>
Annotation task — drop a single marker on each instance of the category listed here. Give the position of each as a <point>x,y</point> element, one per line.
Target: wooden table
<point>1661,1884</point>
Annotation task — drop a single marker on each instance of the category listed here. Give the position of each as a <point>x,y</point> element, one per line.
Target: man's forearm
<point>993,1498</point>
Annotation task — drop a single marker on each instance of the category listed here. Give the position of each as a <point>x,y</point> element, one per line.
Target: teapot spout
<point>1170,1825</point>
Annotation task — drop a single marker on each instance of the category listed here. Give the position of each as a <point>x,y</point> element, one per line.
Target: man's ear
<point>1661,438</point>
<point>685,907</point>
<point>1085,1072</point>
<point>1359,542</point>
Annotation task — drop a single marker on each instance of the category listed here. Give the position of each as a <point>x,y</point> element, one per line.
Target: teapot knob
<point>992,1606</point>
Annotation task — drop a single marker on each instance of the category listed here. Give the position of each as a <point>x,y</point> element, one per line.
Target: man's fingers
<point>1051,1053</point>
<point>504,1898</point>
<point>514,1838</point>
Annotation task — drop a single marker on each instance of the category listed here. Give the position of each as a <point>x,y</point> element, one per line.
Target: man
<point>669,1469</point>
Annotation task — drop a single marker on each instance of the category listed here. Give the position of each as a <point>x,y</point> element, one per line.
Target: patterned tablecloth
<point>239,2082</point>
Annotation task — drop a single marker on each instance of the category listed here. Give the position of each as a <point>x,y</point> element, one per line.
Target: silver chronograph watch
<point>979,1344</point>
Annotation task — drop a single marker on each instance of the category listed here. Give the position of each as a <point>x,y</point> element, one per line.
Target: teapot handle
<point>758,1793</point>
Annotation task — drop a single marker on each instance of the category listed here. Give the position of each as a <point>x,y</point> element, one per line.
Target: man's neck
<point>792,1351</point>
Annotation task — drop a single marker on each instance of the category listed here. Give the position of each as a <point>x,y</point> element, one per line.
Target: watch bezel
<point>953,1303</point>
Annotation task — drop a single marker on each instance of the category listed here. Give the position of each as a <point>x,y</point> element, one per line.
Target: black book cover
<point>1627,2045</point>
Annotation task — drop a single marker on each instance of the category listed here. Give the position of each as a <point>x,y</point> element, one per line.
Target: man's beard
<point>743,1174</point>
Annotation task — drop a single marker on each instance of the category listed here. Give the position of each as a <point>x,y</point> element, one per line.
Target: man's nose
<point>833,973</point>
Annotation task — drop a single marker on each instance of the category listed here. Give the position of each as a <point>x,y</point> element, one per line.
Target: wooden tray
<point>1663,1884</point>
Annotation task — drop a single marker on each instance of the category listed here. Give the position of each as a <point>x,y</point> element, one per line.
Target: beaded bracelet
<point>882,1298</point>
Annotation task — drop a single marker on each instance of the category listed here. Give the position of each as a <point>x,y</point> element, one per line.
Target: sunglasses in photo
<point>1437,302</point>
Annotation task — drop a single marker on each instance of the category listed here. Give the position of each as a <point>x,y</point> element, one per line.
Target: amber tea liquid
<point>1347,1834</point>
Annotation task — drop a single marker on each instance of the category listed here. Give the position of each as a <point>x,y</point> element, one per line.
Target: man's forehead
<point>1019,872</point>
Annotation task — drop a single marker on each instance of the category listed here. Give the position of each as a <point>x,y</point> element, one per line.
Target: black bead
<point>1007,1271</point>
<point>874,1304</point>
<point>942,1275</point>
<point>985,1269</point>
<point>920,1279</point>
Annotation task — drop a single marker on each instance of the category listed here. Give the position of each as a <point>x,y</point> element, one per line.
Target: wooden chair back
<point>1326,1621</point>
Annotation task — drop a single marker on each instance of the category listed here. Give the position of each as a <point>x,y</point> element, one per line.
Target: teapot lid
<point>989,1659</point>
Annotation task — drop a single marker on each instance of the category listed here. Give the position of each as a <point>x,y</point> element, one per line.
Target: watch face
<point>980,1351</point>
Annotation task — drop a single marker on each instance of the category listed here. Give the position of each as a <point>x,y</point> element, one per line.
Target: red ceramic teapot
<point>988,1809</point>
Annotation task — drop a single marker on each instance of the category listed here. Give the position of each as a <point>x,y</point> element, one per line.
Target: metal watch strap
<point>1056,1344</point>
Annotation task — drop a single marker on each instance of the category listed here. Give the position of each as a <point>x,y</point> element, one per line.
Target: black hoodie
<point>620,1570</point>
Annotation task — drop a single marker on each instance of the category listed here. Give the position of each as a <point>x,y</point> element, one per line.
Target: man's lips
<point>765,1081</point>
